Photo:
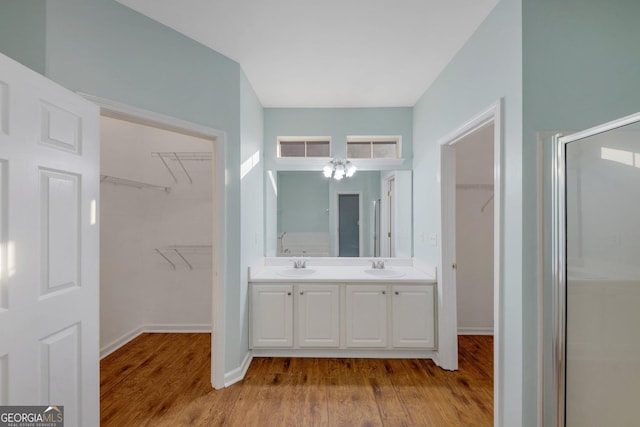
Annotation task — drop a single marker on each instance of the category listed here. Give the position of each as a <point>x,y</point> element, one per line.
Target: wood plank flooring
<point>164,380</point>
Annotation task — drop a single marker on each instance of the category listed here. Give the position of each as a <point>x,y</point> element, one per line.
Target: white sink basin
<point>384,272</point>
<point>296,272</point>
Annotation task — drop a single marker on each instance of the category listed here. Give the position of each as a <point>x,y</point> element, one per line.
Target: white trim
<point>121,111</point>
<point>448,321</point>
<point>119,342</point>
<point>475,331</point>
<point>238,374</point>
<point>150,118</point>
<point>614,124</point>
<point>166,328</point>
<point>540,224</point>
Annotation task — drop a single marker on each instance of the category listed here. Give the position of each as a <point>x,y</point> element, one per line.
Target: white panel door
<point>49,183</point>
<point>318,315</point>
<point>272,311</point>
<point>413,316</point>
<point>366,320</point>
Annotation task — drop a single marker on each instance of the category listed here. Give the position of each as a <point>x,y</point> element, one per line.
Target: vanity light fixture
<point>338,169</point>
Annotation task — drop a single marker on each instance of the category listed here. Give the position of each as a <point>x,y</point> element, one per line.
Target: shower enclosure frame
<point>559,254</point>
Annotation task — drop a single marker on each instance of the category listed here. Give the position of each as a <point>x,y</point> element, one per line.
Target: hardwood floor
<point>164,380</point>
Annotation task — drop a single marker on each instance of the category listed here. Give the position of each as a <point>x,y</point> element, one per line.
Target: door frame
<point>387,221</point>
<point>117,110</point>
<point>559,256</point>
<point>448,323</point>
<point>337,221</point>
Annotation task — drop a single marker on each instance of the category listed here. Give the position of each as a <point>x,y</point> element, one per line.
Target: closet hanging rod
<point>132,183</point>
<point>184,155</point>
<point>474,186</point>
<point>188,248</point>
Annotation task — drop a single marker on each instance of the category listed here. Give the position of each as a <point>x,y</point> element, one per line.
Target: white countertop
<point>328,270</point>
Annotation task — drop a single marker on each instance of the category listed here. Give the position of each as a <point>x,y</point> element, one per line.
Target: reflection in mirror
<point>367,215</point>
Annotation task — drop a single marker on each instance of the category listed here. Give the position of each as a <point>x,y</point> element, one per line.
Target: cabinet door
<point>413,316</point>
<point>318,315</point>
<point>366,315</point>
<point>272,315</point>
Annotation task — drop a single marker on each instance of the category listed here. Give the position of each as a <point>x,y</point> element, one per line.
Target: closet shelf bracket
<point>180,158</point>
<point>486,203</point>
<point>131,183</point>
<point>182,254</point>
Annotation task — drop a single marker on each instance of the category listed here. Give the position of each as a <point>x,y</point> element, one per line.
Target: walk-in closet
<point>156,214</point>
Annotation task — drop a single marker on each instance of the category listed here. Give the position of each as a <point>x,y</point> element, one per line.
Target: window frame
<point>305,140</point>
<point>371,140</point>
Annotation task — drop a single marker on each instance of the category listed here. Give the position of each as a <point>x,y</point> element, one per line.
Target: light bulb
<point>327,171</point>
<point>351,169</point>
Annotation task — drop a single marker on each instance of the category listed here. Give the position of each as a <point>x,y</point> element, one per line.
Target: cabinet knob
<point>384,292</point>
<point>397,293</point>
<point>301,293</point>
<point>288,293</point>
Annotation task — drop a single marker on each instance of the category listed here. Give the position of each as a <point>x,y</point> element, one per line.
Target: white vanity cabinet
<point>272,315</point>
<point>413,317</point>
<point>368,319</point>
<point>366,315</point>
<point>318,311</point>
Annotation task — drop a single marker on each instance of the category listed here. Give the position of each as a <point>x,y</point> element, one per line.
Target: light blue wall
<point>251,217</point>
<point>580,69</point>
<point>487,68</point>
<point>337,123</point>
<point>23,32</point>
<point>103,48</point>
<point>303,202</point>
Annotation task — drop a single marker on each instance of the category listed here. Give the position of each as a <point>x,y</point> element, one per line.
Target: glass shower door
<point>600,382</point>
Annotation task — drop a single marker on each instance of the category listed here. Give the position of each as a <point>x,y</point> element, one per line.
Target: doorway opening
<point>388,231</point>
<point>191,172</point>
<point>349,224</point>
<point>473,157</point>
<point>471,260</point>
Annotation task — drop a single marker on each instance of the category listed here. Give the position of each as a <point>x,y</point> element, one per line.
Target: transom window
<point>373,147</point>
<point>304,146</point>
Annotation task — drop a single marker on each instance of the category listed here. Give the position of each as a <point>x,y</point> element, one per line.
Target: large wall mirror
<point>366,215</point>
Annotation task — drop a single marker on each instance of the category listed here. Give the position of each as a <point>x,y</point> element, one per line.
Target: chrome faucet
<point>377,264</point>
<point>299,263</point>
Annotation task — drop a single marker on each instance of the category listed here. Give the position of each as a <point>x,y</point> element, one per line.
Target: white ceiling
<point>329,53</point>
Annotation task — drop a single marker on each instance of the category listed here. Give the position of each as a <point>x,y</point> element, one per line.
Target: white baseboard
<point>475,331</point>
<point>238,374</point>
<point>183,329</point>
<point>166,328</point>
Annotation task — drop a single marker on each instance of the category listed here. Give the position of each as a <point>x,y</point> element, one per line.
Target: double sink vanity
<point>342,307</point>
